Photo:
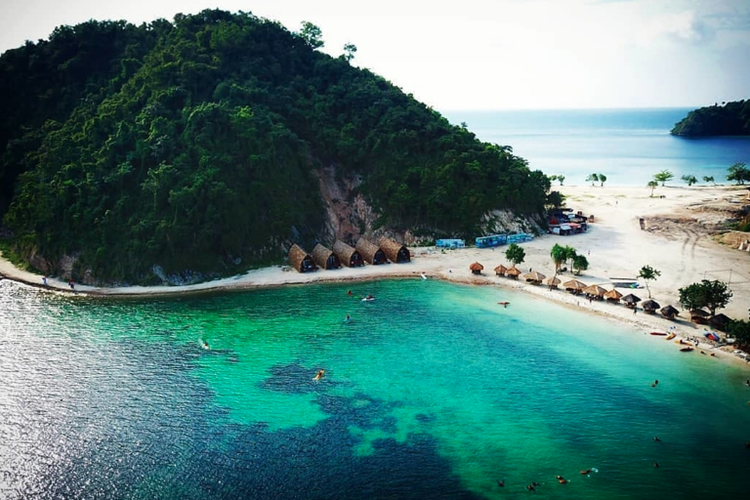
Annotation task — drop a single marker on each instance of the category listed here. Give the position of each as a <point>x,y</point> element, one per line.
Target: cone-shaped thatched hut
<point>574,286</point>
<point>534,277</point>
<point>394,251</point>
<point>476,268</point>
<point>553,282</point>
<point>650,306</point>
<point>595,291</point>
<point>669,311</point>
<point>371,252</point>
<point>631,300</point>
<point>301,260</point>
<point>720,321</point>
<point>699,316</point>
<point>513,273</point>
<point>500,270</point>
<point>613,295</point>
<point>325,258</point>
<point>348,255</point>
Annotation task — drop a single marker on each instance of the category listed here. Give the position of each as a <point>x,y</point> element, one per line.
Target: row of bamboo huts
<point>342,254</point>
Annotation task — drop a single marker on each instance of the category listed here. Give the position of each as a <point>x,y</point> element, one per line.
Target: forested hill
<point>195,145</point>
<point>732,118</point>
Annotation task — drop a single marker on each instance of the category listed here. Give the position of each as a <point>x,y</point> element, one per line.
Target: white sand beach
<point>677,240</point>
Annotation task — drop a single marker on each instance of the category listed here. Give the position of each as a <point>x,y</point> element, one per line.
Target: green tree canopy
<point>739,173</point>
<point>709,178</point>
<point>515,254</point>
<point>602,179</point>
<point>580,264</point>
<point>689,179</point>
<point>559,256</point>
<point>663,176</point>
<point>711,295</point>
<point>653,185</point>
<point>648,273</point>
<point>592,178</point>
<point>312,35</point>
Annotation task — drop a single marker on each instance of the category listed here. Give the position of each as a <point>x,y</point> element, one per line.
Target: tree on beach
<point>690,179</point>
<point>570,254</point>
<point>663,176</point>
<point>602,180</point>
<point>559,256</point>
<point>712,295</point>
<point>580,264</point>
<point>648,273</point>
<point>653,185</point>
<point>561,179</point>
<point>592,178</point>
<point>739,173</point>
<point>515,254</point>
<point>709,178</point>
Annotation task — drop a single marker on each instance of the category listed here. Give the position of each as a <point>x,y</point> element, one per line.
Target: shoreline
<point>615,245</point>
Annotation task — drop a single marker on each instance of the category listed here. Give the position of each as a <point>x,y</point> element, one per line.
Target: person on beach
<point>635,310</point>
<point>71,284</point>
<point>44,280</point>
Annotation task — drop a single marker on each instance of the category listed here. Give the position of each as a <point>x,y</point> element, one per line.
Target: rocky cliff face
<point>348,215</point>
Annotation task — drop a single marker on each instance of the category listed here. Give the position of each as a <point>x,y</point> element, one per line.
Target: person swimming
<point>500,483</point>
<point>656,439</point>
<point>347,319</point>
<point>205,345</point>
<point>562,480</point>
<point>319,375</point>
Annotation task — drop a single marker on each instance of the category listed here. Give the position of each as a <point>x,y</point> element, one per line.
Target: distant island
<point>187,150</point>
<point>731,118</point>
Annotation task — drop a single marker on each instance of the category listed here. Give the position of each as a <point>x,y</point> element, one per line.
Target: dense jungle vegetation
<point>732,118</point>
<point>192,145</point>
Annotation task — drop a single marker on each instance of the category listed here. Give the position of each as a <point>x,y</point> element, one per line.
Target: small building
<point>501,270</point>
<point>301,260</point>
<point>650,306</point>
<point>450,243</point>
<point>325,258</point>
<point>669,311</point>
<point>491,241</point>
<point>394,251</point>
<point>371,252</point>
<point>476,268</point>
<point>513,273</point>
<point>348,255</point>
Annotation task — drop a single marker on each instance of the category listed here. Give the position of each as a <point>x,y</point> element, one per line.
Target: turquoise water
<point>430,391</point>
<point>627,145</point>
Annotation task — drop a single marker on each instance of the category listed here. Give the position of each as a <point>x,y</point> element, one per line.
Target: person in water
<point>205,344</point>
<point>347,319</point>
<point>656,439</point>
<point>349,293</point>
<point>319,375</point>
<point>500,483</point>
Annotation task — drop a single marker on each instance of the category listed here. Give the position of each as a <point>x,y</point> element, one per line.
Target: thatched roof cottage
<point>325,258</point>
<point>394,251</point>
<point>301,260</point>
<point>371,252</point>
<point>348,255</point>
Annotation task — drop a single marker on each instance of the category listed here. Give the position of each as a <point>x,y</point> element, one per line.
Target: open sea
<point>432,391</point>
<point>629,146</point>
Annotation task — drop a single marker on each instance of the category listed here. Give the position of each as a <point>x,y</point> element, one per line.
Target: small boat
<point>687,349</point>
<point>659,333</point>
<point>671,336</point>
<point>369,298</point>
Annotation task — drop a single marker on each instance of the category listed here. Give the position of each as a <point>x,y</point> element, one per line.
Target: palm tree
<point>592,178</point>
<point>648,273</point>
<point>663,176</point>
<point>709,178</point>
<point>653,185</point>
<point>559,256</point>
<point>602,179</point>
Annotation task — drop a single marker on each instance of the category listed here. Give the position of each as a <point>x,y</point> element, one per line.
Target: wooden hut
<point>325,258</point>
<point>553,282</point>
<point>500,270</point>
<point>720,322</point>
<point>595,291</point>
<point>669,311</point>
<point>699,316</point>
<point>348,255</point>
<point>613,296</point>
<point>574,286</point>
<point>534,277</point>
<point>301,260</point>
<point>394,251</point>
<point>513,273</point>
<point>650,306</point>
<point>631,300</point>
<point>371,252</point>
<point>476,268</point>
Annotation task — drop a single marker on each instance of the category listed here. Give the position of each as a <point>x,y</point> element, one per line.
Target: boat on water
<point>659,333</point>
<point>671,336</point>
<point>687,349</point>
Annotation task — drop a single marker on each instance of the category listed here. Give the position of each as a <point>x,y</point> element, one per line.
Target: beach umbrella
<point>574,285</point>
<point>553,282</point>
<point>669,311</point>
<point>476,268</point>
<point>613,295</point>
<point>595,290</point>
<point>513,272</point>
<point>534,276</point>
<point>650,306</point>
<point>631,299</point>
<point>500,270</point>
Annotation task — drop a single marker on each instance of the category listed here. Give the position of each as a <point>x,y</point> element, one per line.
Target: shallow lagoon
<point>431,391</point>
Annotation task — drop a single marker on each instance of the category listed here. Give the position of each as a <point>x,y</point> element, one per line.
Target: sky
<point>488,54</point>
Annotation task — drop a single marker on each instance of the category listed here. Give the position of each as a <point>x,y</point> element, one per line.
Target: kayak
<point>671,336</point>
<point>659,333</point>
